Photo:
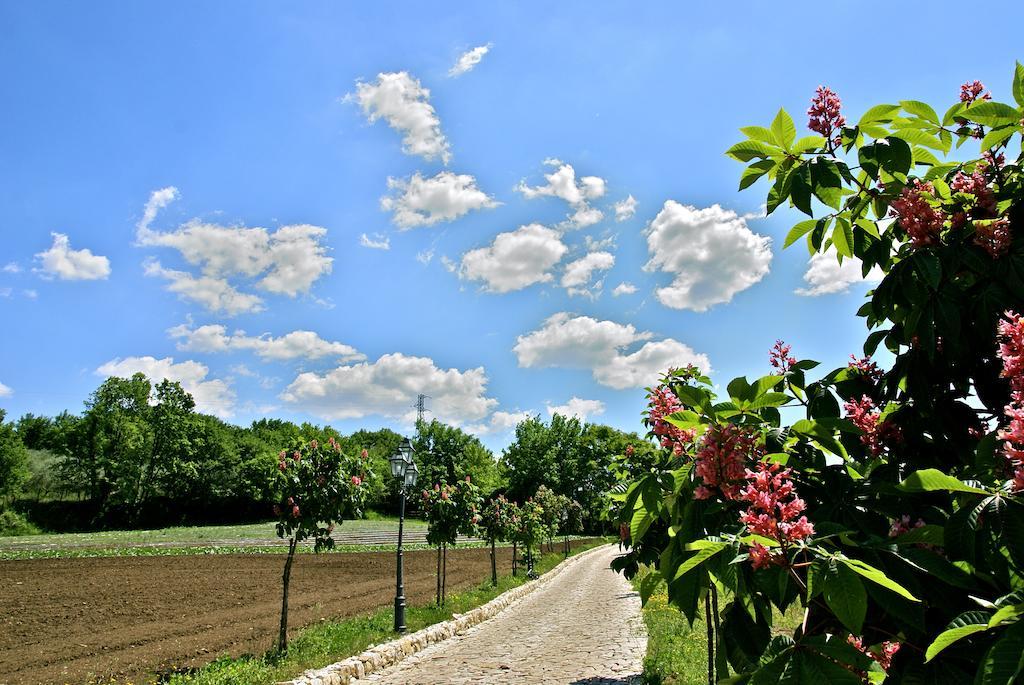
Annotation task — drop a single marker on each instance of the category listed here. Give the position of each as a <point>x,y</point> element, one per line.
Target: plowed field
<point>73,620</point>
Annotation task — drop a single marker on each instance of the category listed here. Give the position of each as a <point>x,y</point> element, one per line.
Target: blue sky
<point>244,129</point>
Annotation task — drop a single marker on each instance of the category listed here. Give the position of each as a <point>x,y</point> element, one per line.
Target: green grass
<point>330,642</point>
<point>676,653</point>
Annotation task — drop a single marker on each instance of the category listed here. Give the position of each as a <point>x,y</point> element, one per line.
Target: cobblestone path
<point>583,627</point>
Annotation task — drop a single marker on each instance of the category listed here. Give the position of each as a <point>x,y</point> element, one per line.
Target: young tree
<point>495,523</point>
<point>450,510</point>
<point>552,506</point>
<point>529,531</point>
<point>317,487</point>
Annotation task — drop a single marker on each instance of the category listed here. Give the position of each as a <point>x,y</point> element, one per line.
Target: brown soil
<point>74,620</point>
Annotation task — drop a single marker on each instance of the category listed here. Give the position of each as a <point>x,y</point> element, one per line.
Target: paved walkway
<point>583,628</point>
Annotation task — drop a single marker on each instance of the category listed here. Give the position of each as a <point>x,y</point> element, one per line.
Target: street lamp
<point>402,468</point>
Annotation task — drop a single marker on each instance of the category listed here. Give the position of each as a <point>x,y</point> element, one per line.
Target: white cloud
<point>580,408</point>
<point>449,264</point>
<point>216,294</point>
<point>5,391</point>
<point>710,252</point>
<point>625,209</point>
<point>286,261</point>
<point>825,275</point>
<point>30,293</point>
<point>158,199</point>
<point>11,268</point>
<point>295,345</point>
<point>425,256</point>
<point>572,341</point>
<point>388,387</point>
<point>578,274</point>
<point>421,201</point>
<point>468,60</point>
<point>71,265</point>
<point>213,396</point>
<point>240,369</point>
<point>562,183</point>
<point>515,260</point>
<point>499,422</point>
<point>624,288</point>
<point>405,105</point>
<point>378,242</point>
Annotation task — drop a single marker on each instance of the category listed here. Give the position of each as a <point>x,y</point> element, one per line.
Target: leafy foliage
<point>891,512</point>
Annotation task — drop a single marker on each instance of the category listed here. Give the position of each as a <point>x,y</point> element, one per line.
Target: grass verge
<point>320,645</point>
<point>677,654</point>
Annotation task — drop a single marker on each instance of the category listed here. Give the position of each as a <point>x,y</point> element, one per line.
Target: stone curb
<point>390,653</point>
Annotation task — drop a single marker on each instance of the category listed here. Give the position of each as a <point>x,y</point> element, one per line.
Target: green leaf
<point>783,129</point>
<point>928,535</point>
<point>877,577</point>
<point>807,143</point>
<point>755,171</point>
<point>842,237</point>
<point>697,559</point>
<point>771,399</point>
<point>1018,84</point>
<point>991,113</point>
<point>739,389</point>
<point>780,190</point>
<point>997,136</point>
<point>648,585</point>
<point>883,113</point>
<point>1006,615</point>
<point>640,522</point>
<point>845,596</point>
<point>799,231</point>
<point>760,133</point>
<point>802,188</point>
<point>894,155</point>
<point>948,637</point>
<point>750,149</point>
<point>1004,662</point>
<point>920,109</point>
<point>933,480</point>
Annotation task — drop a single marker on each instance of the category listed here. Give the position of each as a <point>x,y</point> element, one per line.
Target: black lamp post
<point>403,468</point>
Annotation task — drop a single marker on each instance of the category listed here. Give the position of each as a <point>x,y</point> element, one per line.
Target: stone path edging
<point>388,654</point>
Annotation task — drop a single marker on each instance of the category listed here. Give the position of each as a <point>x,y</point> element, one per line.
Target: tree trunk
<point>282,637</point>
<point>494,566</point>
<point>444,575</point>
<point>515,555</point>
<point>711,638</point>
<point>438,600</point>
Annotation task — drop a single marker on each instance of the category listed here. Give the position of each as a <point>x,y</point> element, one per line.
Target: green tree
<point>450,510</point>
<point>446,454</point>
<point>13,461</point>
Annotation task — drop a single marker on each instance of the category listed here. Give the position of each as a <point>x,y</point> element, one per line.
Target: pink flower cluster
<point>1011,351</point>
<point>902,525</point>
<point>775,512</point>
<point>971,91</point>
<point>662,402</point>
<point>866,367</point>
<point>825,117</point>
<point>721,462</point>
<point>779,357</point>
<point>883,657</point>
<point>876,433</point>
<point>917,217</point>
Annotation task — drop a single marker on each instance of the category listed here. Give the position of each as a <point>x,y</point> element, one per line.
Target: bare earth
<point>582,627</point>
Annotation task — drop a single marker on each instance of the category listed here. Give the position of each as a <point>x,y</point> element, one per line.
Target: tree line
<point>140,455</point>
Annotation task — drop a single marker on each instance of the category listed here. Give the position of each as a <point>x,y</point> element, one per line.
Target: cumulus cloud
<point>468,60</point>
<point>60,261</point>
<point>499,422</point>
<point>216,294</point>
<point>378,242</point>
<point>404,104</point>
<point>388,387</point>
<point>5,391</point>
<point>11,268</point>
<point>624,288</point>
<point>579,408</point>
<point>603,347</point>
<point>295,345</point>
<point>421,201</point>
<point>212,396</point>
<point>825,275</point>
<point>625,209</point>
<point>515,260</point>
<point>562,183</point>
<point>286,261</point>
<point>710,252</point>
<point>578,274</point>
